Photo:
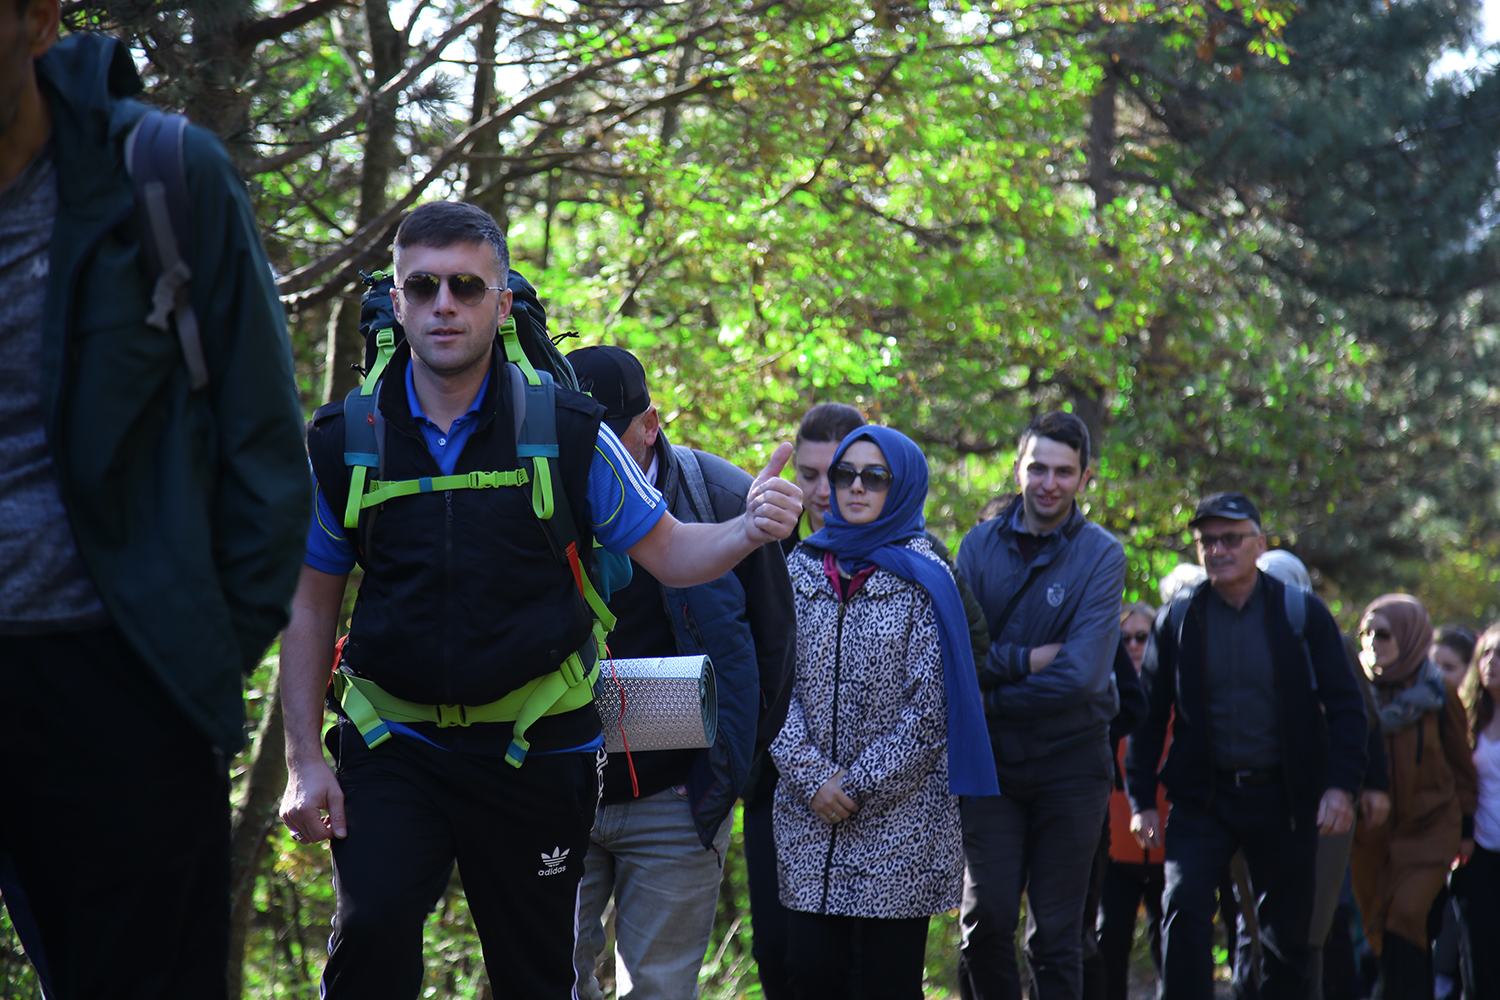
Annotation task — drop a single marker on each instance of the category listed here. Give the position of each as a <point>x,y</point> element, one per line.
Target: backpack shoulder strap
<point>692,475</point>
<point>155,160</point>
<point>1177,613</point>
<point>1296,598</point>
<point>534,394</point>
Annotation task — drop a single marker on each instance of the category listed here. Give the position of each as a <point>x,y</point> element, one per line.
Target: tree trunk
<point>1101,150</point>
<point>387,55</point>
<point>1088,396</point>
<point>344,347</point>
<point>481,170</point>
<point>264,785</point>
<point>216,100</point>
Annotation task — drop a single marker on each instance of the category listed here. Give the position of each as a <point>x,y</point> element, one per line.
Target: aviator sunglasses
<point>876,478</point>
<point>468,289</point>
<point>1230,540</point>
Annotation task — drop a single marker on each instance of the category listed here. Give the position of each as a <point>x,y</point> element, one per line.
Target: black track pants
<point>519,836</point>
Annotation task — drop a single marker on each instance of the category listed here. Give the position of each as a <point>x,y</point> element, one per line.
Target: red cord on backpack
<point>635,786</point>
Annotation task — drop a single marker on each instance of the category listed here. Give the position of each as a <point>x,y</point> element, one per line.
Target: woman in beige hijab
<point>1399,865</point>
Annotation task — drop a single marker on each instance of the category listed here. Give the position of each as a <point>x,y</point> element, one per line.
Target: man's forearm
<point>686,555</point>
<point>305,664</point>
<point>306,661</point>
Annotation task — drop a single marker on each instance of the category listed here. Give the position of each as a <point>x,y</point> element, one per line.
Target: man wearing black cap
<point>1268,749</point>
<point>663,824</point>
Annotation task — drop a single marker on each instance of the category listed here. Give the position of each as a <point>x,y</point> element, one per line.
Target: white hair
<point>1182,575</point>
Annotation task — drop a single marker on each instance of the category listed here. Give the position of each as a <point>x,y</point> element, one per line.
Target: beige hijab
<point>1410,627</point>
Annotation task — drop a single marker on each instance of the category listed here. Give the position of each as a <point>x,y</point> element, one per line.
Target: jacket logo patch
<point>555,863</point>
<point>1055,594</point>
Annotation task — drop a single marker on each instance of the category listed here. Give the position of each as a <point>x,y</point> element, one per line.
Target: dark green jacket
<point>190,510</point>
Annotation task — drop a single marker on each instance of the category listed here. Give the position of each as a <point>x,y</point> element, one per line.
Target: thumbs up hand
<point>774,504</point>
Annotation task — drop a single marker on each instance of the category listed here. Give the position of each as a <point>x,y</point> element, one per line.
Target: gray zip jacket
<point>1075,600</point>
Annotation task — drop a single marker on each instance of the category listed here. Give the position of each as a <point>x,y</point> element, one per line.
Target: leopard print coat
<point>868,696</point>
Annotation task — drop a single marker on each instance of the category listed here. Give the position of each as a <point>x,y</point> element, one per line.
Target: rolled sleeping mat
<point>657,703</point>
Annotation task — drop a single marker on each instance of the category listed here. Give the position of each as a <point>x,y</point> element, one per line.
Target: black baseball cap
<point>614,377</point>
<point>1233,506</point>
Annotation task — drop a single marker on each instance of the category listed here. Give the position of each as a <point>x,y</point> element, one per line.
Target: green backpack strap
<point>536,435</point>
<point>363,437</point>
<point>536,443</point>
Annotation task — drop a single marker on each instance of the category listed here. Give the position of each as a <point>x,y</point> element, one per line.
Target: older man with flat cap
<point>663,826</point>
<point>1268,750</point>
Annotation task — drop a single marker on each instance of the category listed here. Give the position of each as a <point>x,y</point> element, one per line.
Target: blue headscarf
<point>971,762</point>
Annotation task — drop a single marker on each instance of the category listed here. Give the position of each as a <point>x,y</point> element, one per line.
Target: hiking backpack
<point>535,367</point>
<point>155,159</point>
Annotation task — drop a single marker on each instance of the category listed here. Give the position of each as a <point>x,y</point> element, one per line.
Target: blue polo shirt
<point>623,506</point>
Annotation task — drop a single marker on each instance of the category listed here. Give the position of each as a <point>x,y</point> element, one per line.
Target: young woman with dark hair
<point>1476,886</point>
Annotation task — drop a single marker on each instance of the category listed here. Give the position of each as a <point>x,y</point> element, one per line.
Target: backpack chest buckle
<point>451,715</point>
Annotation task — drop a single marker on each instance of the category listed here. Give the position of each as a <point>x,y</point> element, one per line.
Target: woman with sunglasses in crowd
<point>1399,865</point>
<point>1134,874</point>
<point>884,732</point>
<point>1476,886</point>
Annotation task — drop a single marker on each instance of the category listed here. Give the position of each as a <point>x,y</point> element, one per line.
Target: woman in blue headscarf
<point>884,733</point>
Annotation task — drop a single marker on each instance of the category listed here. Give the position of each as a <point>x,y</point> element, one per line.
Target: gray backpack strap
<point>154,158</point>
<point>517,398</point>
<point>1296,616</point>
<point>692,475</point>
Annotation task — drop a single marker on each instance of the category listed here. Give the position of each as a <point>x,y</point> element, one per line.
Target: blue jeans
<point>646,853</point>
<point>1282,864</point>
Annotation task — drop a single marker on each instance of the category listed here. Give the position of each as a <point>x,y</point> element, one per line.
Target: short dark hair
<point>1064,428</point>
<point>440,224</point>
<point>994,507</point>
<point>829,422</point>
<point>1458,639</point>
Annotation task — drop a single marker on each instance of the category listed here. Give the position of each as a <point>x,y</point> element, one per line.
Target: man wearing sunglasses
<point>1268,751</point>
<point>1050,583</point>
<point>466,600</point>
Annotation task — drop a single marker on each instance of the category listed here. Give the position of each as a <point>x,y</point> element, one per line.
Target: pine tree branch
<point>252,33</point>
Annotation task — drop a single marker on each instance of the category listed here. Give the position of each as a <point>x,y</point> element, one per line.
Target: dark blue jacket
<point>745,622</point>
<point>1074,600</point>
<point>1322,732</point>
<point>190,509</point>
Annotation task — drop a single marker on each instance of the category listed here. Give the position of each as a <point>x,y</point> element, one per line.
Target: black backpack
<point>1296,598</point>
<point>376,313</point>
<point>535,368</point>
<point>155,159</point>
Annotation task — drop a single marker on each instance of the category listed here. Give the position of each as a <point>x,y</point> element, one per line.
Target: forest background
<point>1252,244</point>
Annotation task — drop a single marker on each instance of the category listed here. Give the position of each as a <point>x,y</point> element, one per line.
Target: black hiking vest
<point>466,595</point>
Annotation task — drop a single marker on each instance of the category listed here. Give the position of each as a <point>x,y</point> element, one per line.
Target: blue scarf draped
<point>971,762</point>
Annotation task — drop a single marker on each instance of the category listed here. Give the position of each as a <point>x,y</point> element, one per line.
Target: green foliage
<point>1250,243</point>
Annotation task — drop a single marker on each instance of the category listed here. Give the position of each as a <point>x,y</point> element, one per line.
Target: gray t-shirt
<point>44,586</point>
<point>1241,684</point>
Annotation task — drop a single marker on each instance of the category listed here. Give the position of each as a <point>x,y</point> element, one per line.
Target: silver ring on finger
<point>299,837</point>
